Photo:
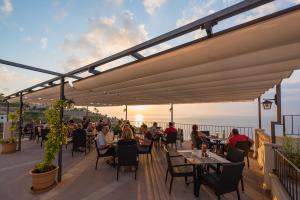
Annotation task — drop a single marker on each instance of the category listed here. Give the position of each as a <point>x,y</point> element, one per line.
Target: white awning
<point>238,65</point>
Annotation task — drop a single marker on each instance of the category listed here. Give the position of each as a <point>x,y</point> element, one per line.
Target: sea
<point>234,121</point>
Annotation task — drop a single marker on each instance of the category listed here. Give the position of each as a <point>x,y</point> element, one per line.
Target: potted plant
<point>44,173</point>
<point>9,144</point>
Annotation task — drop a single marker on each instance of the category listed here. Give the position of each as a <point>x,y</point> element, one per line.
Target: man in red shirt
<point>170,129</point>
<point>236,137</point>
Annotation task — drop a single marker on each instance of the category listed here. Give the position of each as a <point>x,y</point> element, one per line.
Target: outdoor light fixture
<point>171,108</point>
<point>70,103</point>
<point>267,104</point>
<point>71,83</point>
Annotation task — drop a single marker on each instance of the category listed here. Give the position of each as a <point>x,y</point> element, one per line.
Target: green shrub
<point>55,138</point>
<point>292,153</point>
<point>10,140</point>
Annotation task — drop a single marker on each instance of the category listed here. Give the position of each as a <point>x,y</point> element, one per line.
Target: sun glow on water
<point>139,119</point>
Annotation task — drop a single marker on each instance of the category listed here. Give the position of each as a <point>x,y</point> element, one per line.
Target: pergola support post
<point>278,122</point>
<point>62,97</point>
<point>126,113</point>
<point>171,110</point>
<point>278,102</point>
<point>87,112</point>
<point>20,121</point>
<point>259,111</point>
<point>7,110</point>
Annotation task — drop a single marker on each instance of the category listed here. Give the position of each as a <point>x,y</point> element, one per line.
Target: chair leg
<point>248,161</point>
<point>96,162</point>
<point>219,197</point>
<point>118,173</point>
<point>171,183</point>
<point>135,172</point>
<point>186,180</point>
<point>72,152</point>
<point>242,183</point>
<point>166,179</point>
<point>238,193</point>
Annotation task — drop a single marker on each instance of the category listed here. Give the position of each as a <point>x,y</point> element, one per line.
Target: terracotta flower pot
<point>43,181</point>
<point>9,148</point>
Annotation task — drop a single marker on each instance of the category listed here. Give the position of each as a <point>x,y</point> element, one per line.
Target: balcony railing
<point>291,124</point>
<point>213,129</point>
<point>288,174</point>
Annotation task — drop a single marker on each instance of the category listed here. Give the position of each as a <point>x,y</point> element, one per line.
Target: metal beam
<point>62,97</point>
<point>18,65</point>
<point>211,19</point>
<point>42,84</point>
<point>93,71</point>
<point>20,121</point>
<point>259,111</point>
<point>137,55</point>
<point>278,102</point>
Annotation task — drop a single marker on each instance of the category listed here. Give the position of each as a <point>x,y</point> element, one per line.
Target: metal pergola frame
<point>205,23</point>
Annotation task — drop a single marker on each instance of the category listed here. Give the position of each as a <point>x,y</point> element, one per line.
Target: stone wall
<point>261,138</point>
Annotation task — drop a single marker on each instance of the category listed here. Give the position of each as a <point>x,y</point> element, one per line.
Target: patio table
<point>195,157</point>
<point>219,142</point>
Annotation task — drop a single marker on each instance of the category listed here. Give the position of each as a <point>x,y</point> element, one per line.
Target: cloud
<point>194,11</point>
<point>293,1</point>
<point>116,2</point>
<point>44,42</point>
<point>61,15</point>
<point>105,36</point>
<point>265,10</point>
<point>152,5</point>
<point>6,7</point>
<point>8,75</point>
<point>230,2</point>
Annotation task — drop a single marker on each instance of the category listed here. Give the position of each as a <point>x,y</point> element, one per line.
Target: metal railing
<point>187,128</point>
<point>291,124</point>
<point>288,174</point>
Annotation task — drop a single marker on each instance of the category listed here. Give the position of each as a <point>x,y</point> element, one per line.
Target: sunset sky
<point>63,35</point>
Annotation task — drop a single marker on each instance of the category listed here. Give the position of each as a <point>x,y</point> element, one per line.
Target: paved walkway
<point>82,181</point>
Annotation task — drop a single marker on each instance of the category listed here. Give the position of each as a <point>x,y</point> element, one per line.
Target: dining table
<point>198,160</point>
<point>219,142</point>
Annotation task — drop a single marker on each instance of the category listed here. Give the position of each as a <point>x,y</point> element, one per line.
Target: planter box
<point>43,181</point>
<point>9,148</point>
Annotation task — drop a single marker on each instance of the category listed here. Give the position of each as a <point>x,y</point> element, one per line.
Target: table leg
<point>197,180</point>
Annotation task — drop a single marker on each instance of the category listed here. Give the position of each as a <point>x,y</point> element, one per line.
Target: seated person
<point>170,129</point>
<point>236,137</point>
<point>104,148</point>
<point>109,137</point>
<point>79,138</point>
<point>127,137</point>
<point>155,132</point>
<point>198,137</point>
<point>147,135</point>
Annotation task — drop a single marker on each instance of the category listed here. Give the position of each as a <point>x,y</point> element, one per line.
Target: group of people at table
<point>199,138</point>
<point>109,138</point>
